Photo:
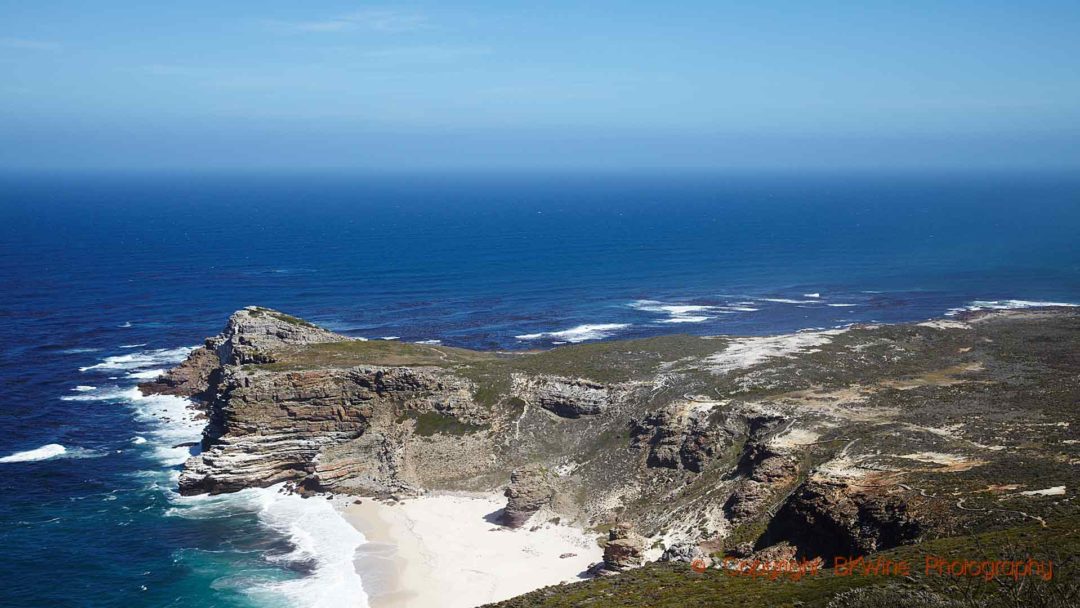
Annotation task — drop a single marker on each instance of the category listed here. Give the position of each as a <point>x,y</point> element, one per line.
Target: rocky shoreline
<point>812,445</point>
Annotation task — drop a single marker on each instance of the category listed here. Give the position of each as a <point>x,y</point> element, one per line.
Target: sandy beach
<point>448,551</point>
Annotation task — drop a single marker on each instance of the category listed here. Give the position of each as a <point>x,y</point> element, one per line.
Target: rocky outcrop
<point>680,437</point>
<point>762,471</point>
<point>194,378</point>
<point>329,428</point>
<point>566,397</point>
<point>254,333</point>
<point>530,490</point>
<point>692,459</point>
<point>625,549</point>
<point>827,519</point>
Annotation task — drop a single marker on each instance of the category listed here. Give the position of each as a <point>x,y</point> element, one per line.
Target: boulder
<point>531,488</point>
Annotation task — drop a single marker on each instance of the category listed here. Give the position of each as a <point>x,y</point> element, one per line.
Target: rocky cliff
<point>826,443</point>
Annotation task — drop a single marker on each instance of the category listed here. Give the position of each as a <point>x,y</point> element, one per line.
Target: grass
<point>434,423</point>
<point>388,353</point>
<point>675,585</point>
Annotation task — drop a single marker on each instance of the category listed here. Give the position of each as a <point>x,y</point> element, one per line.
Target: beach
<point>449,551</point>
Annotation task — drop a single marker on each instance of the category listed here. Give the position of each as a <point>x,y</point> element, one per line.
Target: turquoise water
<point>104,279</point>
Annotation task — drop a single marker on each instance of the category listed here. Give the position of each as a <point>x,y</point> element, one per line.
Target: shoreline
<point>447,551</point>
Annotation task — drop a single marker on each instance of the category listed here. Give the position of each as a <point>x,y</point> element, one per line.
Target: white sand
<point>742,353</point>
<point>446,551</point>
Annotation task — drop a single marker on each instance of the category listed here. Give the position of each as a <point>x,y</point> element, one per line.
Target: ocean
<point>108,279</point>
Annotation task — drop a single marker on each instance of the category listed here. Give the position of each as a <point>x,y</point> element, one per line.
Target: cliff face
<point>832,443</point>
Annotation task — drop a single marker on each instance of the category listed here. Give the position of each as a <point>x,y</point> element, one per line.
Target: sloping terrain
<point>809,445</point>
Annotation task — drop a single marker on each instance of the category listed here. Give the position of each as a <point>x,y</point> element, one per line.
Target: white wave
<point>141,360</point>
<point>580,333</point>
<point>45,452</point>
<point>390,338</point>
<point>174,422</point>
<point>841,305</point>
<point>138,440</point>
<point>688,313</point>
<point>125,325</point>
<point>82,388</point>
<point>78,351</point>
<point>1005,305</point>
<point>788,301</point>
<point>48,452</point>
<point>148,374</point>
<point>812,295</point>
<point>132,345</point>
<point>319,534</point>
<point>430,342</point>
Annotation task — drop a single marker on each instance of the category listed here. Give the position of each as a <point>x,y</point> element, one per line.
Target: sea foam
<point>49,452</point>
<point>322,541</point>
<point>580,333</point>
<point>1005,305</point>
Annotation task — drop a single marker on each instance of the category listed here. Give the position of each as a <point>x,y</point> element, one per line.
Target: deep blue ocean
<point>105,279</point>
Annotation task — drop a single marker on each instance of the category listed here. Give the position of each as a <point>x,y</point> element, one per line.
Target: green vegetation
<point>351,353</point>
<point>675,585</point>
<point>435,423</point>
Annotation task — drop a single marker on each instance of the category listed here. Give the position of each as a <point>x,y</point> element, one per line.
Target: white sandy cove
<point>447,551</point>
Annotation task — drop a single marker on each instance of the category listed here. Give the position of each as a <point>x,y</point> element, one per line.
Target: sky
<point>544,85</point>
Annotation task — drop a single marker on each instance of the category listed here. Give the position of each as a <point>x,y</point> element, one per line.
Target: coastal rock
<point>625,549</point>
<point>662,444</point>
<point>681,437</point>
<point>531,488</point>
<point>826,519</point>
<point>194,377</point>
<point>566,397</point>
<point>252,334</point>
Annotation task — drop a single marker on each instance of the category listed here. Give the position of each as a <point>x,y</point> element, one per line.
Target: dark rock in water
<point>194,377</point>
<point>567,555</point>
<point>530,490</point>
<point>187,444</point>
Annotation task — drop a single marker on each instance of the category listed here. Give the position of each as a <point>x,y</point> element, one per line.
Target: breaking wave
<point>1005,305</point>
<point>581,333</point>
<point>49,452</point>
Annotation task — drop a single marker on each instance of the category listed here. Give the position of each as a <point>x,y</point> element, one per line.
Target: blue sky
<point>477,85</point>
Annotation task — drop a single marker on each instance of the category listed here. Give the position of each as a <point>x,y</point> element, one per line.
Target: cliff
<point>815,444</point>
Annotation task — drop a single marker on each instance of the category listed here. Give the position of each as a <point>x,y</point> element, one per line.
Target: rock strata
<point>625,549</point>
<point>530,490</point>
<point>871,439</point>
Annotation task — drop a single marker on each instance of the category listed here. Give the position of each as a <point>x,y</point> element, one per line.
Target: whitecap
<point>148,374</point>
<point>45,452</point>
<point>319,534</point>
<point>689,313</point>
<point>390,338</point>
<point>580,333</point>
<point>49,452</point>
<point>132,345</point>
<point>430,342</point>
<point>82,388</point>
<point>788,301</point>
<point>812,295</point>
<point>841,305</point>
<point>138,440</point>
<point>141,360</point>
<point>78,351</point>
<point>1005,305</point>
<point>125,325</point>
